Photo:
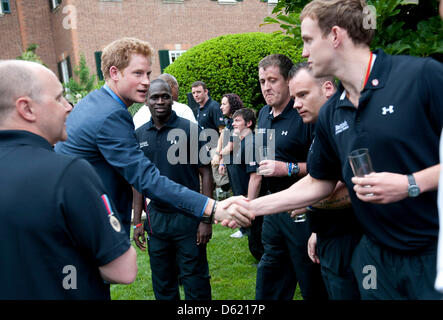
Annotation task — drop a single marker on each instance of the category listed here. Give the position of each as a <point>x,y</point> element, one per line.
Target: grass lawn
<point>232,268</point>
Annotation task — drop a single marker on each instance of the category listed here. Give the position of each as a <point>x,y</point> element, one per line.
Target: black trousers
<point>285,261</point>
<point>180,254</point>
<point>335,254</point>
<point>387,275</point>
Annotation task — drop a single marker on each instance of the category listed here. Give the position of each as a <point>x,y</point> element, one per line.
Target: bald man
<point>61,238</point>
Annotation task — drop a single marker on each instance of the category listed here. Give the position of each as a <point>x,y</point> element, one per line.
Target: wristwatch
<point>295,169</point>
<point>413,188</point>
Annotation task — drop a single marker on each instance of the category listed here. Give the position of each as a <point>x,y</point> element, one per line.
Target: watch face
<point>413,191</point>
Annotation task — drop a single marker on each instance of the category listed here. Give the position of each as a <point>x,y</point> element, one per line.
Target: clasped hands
<point>234,212</point>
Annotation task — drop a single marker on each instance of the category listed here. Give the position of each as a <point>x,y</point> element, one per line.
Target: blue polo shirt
<point>291,137</point>
<point>100,130</point>
<point>210,115</point>
<point>55,223</point>
<point>399,119</point>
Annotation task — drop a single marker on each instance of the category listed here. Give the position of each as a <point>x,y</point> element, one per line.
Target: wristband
<point>210,219</point>
<point>221,165</point>
<point>138,225</point>
<point>289,164</point>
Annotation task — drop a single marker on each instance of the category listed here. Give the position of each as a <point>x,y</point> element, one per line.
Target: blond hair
<point>118,53</point>
<point>346,14</point>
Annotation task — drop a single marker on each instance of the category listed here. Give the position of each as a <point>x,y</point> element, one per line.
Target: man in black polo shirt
<point>209,115</point>
<point>177,242</point>
<point>285,260</point>
<point>336,231</point>
<point>392,106</point>
<point>61,238</point>
<point>211,120</point>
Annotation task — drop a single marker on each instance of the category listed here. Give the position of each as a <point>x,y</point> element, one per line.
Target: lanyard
<point>114,96</point>
<point>368,71</point>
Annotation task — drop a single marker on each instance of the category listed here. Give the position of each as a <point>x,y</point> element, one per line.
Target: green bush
<point>229,64</point>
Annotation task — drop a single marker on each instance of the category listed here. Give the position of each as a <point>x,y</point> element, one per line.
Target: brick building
<point>65,29</point>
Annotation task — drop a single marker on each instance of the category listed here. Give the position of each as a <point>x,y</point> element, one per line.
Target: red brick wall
<point>164,25</point>
<point>10,39</point>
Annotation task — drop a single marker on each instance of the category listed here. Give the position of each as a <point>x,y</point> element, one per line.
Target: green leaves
<point>76,90</point>
<point>402,28</point>
<point>229,63</point>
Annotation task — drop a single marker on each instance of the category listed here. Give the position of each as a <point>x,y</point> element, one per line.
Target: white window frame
<point>227,1</point>
<point>55,4</point>
<point>174,54</point>
<point>272,2</point>
<point>65,71</point>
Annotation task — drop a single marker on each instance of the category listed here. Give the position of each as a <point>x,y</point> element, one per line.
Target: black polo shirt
<point>399,119</point>
<point>242,165</point>
<point>54,223</point>
<point>329,223</point>
<point>290,136</point>
<point>210,115</point>
<point>174,149</point>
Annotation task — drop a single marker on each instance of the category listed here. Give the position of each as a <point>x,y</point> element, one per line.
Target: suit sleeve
<point>117,142</point>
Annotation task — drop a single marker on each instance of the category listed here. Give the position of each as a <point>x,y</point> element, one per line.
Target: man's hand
<point>204,233</point>
<point>140,233</point>
<point>215,160</point>
<point>222,169</point>
<point>273,168</point>
<point>312,248</point>
<point>381,187</point>
<point>234,212</point>
<point>296,212</point>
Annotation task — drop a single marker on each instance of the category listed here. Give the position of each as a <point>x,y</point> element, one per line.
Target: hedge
<point>229,64</point>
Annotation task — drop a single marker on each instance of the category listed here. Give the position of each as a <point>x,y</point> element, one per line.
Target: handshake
<point>234,212</point>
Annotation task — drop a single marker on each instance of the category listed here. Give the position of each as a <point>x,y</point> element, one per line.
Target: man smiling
<point>176,242</point>
<point>101,130</point>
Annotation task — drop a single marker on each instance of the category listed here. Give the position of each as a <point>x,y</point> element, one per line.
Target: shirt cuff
<point>204,207</point>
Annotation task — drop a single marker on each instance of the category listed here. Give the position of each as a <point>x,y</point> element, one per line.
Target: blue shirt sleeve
<point>117,143</point>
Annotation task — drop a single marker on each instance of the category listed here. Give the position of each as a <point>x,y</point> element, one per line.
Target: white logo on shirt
<point>261,130</point>
<point>339,128</point>
<point>284,133</point>
<point>144,144</point>
<point>389,109</point>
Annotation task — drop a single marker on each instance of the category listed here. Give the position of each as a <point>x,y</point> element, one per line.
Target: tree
<point>229,64</point>
<point>402,26</point>
<point>30,55</point>
<point>76,90</point>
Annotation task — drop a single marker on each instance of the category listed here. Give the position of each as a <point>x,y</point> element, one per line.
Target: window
<point>227,1</point>
<point>174,54</point>
<point>168,56</point>
<point>98,64</point>
<point>54,3</point>
<point>5,7</point>
<point>64,70</point>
